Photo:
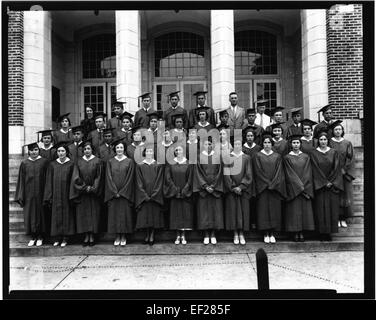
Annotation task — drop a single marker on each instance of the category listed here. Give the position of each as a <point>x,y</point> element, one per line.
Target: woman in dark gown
<point>88,123</point>
<point>29,194</point>
<point>56,195</point>
<point>208,183</point>
<point>299,185</point>
<point>86,191</point>
<point>149,194</point>
<point>64,133</point>
<point>238,183</point>
<point>119,194</point>
<point>125,132</point>
<point>347,163</point>
<point>250,148</point>
<point>135,149</point>
<point>280,144</point>
<point>202,123</point>
<point>178,188</point>
<point>270,189</point>
<point>308,142</point>
<point>47,149</point>
<point>328,183</point>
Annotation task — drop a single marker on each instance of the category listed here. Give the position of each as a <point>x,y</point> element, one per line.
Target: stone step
<point>164,248</point>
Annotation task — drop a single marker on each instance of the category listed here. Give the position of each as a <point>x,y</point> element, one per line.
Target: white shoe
<point>56,243</point>
<point>339,224</point>
<point>123,243</point>
<point>63,244</point>
<point>242,240</point>
<point>177,241</point>
<point>266,239</point>
<point>39,242</point>
<point>206,240</point>
<point>213,240</point>
<point>236,240</point>
<point>116,242</point>
<point>31,243</point>
<point>272,239</point>
<point>183,241</point>
<point>344,224</point>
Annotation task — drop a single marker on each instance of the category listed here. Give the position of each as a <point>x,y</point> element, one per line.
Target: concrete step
<point>164,248</point>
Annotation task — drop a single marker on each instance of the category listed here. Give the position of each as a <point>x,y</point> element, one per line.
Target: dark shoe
<point>85,244</point>
<point>145,242</point>
<point>296,237</point>
<point>301,238</point>
<point>151,243</point>
<point>91,243</point>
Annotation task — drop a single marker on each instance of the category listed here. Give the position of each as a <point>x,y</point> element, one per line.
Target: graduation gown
<point>257,131</point>
<point>207,128</point>
<point>119,182</point>
<point>281,147</point>
<point>49,154</point>
<point>208,172</point>
<point>308,146</point>
<point>126,136</point>
<point>89,125</point>
<point>323,125</point>
<point>237,210</point>
<point>193,117</point>
<point>298,173</point>
<point>177,187</point>
<point>75,151</point>
<point>88,205</point>
<point>284,130</point>
<point>251,151</point>
<point>347,163</point>
<point>270,189</point>
<point>149,195</point>
<point>132,149</point>
<point>56,193</point>
<point>106,152</point>
<point>114,123</point>
<point>29,194</point>
<point>170,112</point>
<point>96,139</point>
<point>326,168</point>
<point>141,118</point>
<point>60,136</point>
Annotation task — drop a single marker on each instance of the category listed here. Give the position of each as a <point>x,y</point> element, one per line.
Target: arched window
<point>255,53</point>
<point>99,57</point>
<point>179,54</point>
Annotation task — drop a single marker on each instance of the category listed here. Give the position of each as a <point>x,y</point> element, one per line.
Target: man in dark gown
<point>324,125</point>
<point>140,118</point>
<point>118,108</point>
<point>174,109</point>
<point>193,116</point>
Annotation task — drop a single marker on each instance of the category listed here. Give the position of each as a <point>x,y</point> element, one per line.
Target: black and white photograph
<point>187,146</point>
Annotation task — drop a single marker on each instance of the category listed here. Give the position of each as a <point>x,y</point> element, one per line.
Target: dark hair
<point>231,93</point>
<point>206,114</point>
<point>291,140</point>
<point>89,143</point>
<point>343,130</point>
<point>322,133</point>
<point>267,137</point>
<point>120,142</point>
<point>67,119</point>
<point>148,147</point>
<point>92,109</point>
<point>66,149</point>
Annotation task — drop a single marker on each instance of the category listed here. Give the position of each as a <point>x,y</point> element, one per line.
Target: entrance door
<point>186,88</point>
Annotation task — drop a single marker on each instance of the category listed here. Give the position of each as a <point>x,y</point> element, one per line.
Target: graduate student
<point>96,136</point>
<point>46,149</point>
<point>280,145</point>
<point>178,179</point>
<point>29,194</point>
<point>345,151</point>
<point>201,103</point>
<point>208,184</point>
<point>308,143</point>
<point>178,133</point>
<point>270,189</point>
<point>106,151</point>
<point>76,147</point>
<point>56,195</point>
<point>64,133</point>
<point>299,187</point>
<point>324,125</point>
<point>118,109</point>
<point>125,132</point>
<point>137,145</point>
<point>328,183</point>
<point>202,117</point>
<point>238,183</point>
<point>296,127</point>
<point>277,114</point>
<point>140,118</point>
<point>86,191</point>
<point>174,109</point>
<point>149,195</point>
<point>119,193</point>
<point>88,123</point>
<point>249,123</point>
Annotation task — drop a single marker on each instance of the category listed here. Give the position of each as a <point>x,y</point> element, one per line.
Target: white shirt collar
<point>153,130</point>
<point>166,145</point>
<point>249,147</point>
<point>42,147</point>
<point>206,154</point>
<point>123,129</point>
<point>90,158</point>
<point>237,155</point>
<point>323,151</point>
<point>35,158</point>
<point>148,163</point>
<point>294,154</point>
<point>182,161</point>
<point>335,140</point>
<point>297,125</point>
<point>122,158</point>
<point>278,139</point>
<point>61,130</point>
<point>203,125</point>
<point>304,138</point>
<point>189,141</point>
<point>141,144</point>
<point>146,109</point>
<point>66,160</point>
<point>268,154</point>
<point>77,144</point>
<point>178,130</point>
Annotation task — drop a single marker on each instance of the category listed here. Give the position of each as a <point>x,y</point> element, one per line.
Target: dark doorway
<point>55,105</point>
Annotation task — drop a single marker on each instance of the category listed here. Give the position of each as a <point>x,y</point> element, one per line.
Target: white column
<point>314,62</point>
<point>222,57</point>
<point>128,58</point>
<point>37,73</point>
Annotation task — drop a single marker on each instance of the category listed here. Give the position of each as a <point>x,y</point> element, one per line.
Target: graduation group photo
<point>185,134</point>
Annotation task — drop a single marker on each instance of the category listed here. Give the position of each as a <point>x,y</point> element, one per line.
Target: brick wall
<point>15,68</point>
<point>345,60</point>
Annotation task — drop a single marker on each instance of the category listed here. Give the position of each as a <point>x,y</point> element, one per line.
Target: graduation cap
<point>334,124</point>
<point>108,130</point>
<point>126,115</point>
<point>145,95</point>
<point>173,94</point>
<point>178,115</point>
<point>295,137</point>
<point>46,132</point>
<point>251,111</point>
<point>277,109</point>
<point>325,108</point>
<point>200,93</point>
<point>276,125</point>
<point>116,142</point>
<point>262,102</point>
<point>32,146</point>
<point>62,117</point>
<point>308,122</point>
<point>296,111</point>
<point>135,129</point>
<point>63,144</point>
<point>118,103</point>
<point>100,114</point>
<point>222,113</point>
<point>158,114</point>
<point>77,128</point>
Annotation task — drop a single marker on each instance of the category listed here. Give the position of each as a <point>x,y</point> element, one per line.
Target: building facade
<point>60,61</point>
